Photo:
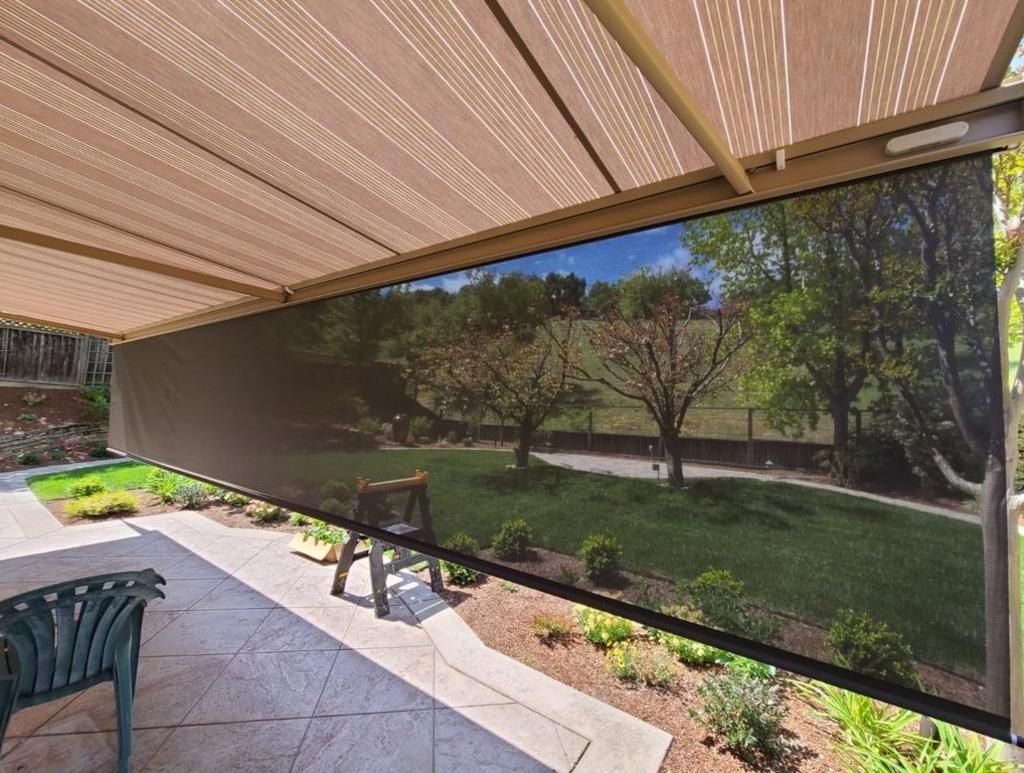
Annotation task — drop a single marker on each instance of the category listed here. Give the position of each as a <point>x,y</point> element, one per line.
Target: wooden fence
<point>752,452</point>
<point>35,356</point>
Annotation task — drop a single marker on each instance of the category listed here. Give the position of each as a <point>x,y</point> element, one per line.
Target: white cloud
<point>675,258</point>
<point>450,284</point>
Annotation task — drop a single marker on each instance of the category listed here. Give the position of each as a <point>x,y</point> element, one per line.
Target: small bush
<point>162,483</point>
<point>97,399</point>
<point>421,427</point>
<point>264,512</point>
<point>334,507</point>
<point>370,426</point>
<point>600,554</point>
<point>601,628</point>
<point>871,647</point>
<point>551,629</point>
<point>83,487</point>
<point>692,653</point>
<point>191,494</point>
<point>717,597</point>
<point>468,441</point>
<point>336,489</point>
<point>234,499</point>
<point>26,458</point>
<point>28,418</point>
<point>104,503</point>
<point>512,540</point>
<point>735,662</point>
<point>57,454</point>
<point>298,519</point>
<point>632,663</point>
<point>746,710</point>
<point>457,574</point>
<point>567,576</point>
<point>99,451</point>
<point>32,399</point>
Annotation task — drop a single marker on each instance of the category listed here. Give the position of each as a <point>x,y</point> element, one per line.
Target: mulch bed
<point>502,616</point>
<point>61,406</point>
<point>234,517</point>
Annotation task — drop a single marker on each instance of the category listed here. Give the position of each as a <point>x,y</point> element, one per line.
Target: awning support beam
<point>626,30</point>
<point>142,264</point>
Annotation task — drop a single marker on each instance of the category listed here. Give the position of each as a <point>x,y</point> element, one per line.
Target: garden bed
<point>502,615</point>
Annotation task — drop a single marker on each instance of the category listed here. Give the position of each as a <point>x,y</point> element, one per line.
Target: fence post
<point>750,436</point>
<point>590,430</point>
<point>857,423</point>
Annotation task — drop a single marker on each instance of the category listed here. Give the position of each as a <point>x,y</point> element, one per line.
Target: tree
<point>665,352</point>
<point>519,375</point>
<point>565,292</point>
<point>811,352</point>
<point>602,298</point>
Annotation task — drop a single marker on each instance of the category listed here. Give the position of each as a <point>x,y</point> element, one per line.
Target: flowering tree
<point>520,375</point>
<point>668,358</point>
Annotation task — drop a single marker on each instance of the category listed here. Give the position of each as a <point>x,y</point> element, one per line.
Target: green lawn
<point>802,552</point>
<point>117,476</point>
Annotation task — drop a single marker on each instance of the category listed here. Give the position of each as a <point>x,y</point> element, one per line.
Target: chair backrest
<point>63,636</point>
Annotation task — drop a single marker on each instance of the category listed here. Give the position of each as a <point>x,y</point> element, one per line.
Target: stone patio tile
<point>207,632</point>
<point>368,742</point>
<point>453,689</point>
<point>194,567</point>
<point>47,569</point>
<point>499,738</point>
<point>391,679</point>
<point>181,594</point>
<point>399,629</point>
<point>314,628</point>
<point>265,685</point>
<point>167,689</point>
<point>154,622</point>
<point>248,747</point>
<point>80,753</point>
<point>27,721</point>
<point>257,593</point>
<point>315,591</point>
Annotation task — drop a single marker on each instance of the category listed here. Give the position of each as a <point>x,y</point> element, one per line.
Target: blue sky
<point>605,259</point>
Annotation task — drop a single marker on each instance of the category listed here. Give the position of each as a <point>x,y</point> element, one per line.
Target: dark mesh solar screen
<point>755,428</point>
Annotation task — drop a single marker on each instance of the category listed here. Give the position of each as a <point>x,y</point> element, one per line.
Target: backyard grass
<point>801,552</point>
<point>118,476</point>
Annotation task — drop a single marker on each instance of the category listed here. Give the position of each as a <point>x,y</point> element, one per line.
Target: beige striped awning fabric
<point>168,157</point>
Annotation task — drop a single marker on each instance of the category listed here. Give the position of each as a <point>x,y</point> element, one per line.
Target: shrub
<point>163,484</point>
<point>57,454</point>
<point>369,425</point>
<point>264,512</point>
<point>567,576</point>
<point>336,489</point>
<point>421,427</point>
<point>551,629</point>
<point>871,647</point>
<point>99,451</point>
<point>874,736</point>
<point>26,458</point>
<point>738,663</point>
<point>468,441</point>
<point>457,574</point>
<point>512,540</point>
<point>191,494</point>
<point>746,710</point>
<point>28,418</point>
<point>601,628</point>
<point>104,503</point>
<point>633,663</point>
<point>83,487</point>
<point>234,499</point>
<point>600,554</point>
<point>334,507</point>
<point>32,399</point>
<point>717,597</point>
<point>298,519</point>
<point>97,399</point>
<point>692,653</point>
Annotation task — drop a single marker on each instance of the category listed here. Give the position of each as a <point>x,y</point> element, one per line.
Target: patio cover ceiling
<point>166,164</point>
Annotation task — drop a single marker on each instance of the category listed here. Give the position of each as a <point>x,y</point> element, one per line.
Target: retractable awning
<point>163,164</point>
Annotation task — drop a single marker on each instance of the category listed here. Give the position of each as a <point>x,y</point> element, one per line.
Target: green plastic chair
<point>64,638</point>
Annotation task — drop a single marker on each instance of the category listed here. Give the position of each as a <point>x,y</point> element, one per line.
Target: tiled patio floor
<point>250,665</point>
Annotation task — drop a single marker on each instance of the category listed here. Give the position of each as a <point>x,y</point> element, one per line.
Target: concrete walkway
<point>250,665</point>
<point>640,468</point>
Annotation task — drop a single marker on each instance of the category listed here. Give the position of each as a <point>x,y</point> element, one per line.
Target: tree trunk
<point>992,510</point>
<point>525,439</point>
<point>673,459</point>
<point>840,410</point>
